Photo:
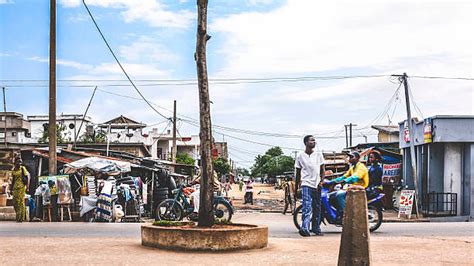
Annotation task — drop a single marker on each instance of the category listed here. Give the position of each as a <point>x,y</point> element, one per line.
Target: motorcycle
<point>397,192</point>
<point>329,211</point>
<point>179,207</point>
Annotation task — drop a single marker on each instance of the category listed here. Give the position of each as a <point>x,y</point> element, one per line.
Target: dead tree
<point>206,214</point>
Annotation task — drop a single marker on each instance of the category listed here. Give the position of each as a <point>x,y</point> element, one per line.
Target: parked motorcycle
<point>397,192</point>
<point>329,211</point>
<point>179,207</point>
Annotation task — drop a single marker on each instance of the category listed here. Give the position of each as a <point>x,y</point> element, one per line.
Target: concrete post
<point>354,247</point>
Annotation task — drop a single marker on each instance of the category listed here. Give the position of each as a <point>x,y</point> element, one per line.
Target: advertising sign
<point>391,173</point>
<point>427,131</point>
<point>406,203</point>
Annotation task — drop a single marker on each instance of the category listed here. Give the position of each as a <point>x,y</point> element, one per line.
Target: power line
<point>240,80</point>
<point>118,62</point>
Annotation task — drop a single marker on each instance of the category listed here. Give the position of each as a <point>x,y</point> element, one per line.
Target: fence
<point>440,204</point>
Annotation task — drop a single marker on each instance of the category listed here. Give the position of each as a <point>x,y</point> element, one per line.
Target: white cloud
<point>6,2</point>
<point>259,2</point>
<point>309,36</point>
<point>147,49</point>
<point>152,12</point>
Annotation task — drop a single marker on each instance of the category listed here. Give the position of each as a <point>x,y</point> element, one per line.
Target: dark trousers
<point>248,198</point>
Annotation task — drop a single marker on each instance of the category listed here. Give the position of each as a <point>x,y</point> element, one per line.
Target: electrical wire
<point>118,62</point>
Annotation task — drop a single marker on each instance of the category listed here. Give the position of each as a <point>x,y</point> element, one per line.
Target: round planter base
<point>224,238</point>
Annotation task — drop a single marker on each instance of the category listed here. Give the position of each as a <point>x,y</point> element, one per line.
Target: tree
<point>206,212</point>
<point>221,166</point>
<point>94,136</point>
<point>242,171</point>
<point>274,151</point>
<point>184,158</point>
<point>272,163</point>
<point>60,130</point>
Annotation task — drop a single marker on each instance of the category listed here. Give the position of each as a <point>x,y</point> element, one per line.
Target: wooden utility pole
<point>5,117</point>
<point>175,148</point>
<point>52,90</point>
<point>412,141</point>
<point>206,215</point>
<point>347,139</point>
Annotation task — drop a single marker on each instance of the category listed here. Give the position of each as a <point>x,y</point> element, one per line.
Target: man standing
<point>309,171</point>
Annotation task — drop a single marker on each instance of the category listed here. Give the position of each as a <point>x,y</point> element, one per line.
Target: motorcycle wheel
<point>222,212</point>
<point>297,217</point>
<point>375,217</point>
<point>169,210</point>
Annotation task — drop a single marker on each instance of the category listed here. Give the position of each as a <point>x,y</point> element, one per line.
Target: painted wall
<point>453,171</point>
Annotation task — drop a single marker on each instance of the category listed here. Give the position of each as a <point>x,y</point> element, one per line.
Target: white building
<point>71,122</point>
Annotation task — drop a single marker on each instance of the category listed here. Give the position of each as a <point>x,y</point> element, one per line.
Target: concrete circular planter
<point>231,237</point>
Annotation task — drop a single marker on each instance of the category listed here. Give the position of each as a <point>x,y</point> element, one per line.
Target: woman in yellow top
<point>19,189</point>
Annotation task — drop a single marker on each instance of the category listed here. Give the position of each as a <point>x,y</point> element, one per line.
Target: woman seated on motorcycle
<point>195,195</point>
<point>375,172</point>
<point>356,175</point>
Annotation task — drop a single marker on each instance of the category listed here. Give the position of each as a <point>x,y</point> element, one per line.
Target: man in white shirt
<point>309,173</point>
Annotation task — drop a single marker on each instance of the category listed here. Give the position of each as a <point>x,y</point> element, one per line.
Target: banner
<point>391,173</point>
<point>406,202</point>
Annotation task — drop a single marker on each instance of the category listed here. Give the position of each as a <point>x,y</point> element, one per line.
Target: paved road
<point>280,226</point>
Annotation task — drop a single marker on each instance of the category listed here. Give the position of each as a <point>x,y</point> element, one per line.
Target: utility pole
<point>347,140</point>
<point>52,90</point>
<point>296,154</point>
<point>350,130</point>
<point>206,213</point>
<point>403,78</point>
<point>175,148</point>
<point>5,117</point>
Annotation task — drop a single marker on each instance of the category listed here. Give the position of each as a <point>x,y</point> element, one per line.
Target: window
<point>2,135</point>
<point>13,133</point>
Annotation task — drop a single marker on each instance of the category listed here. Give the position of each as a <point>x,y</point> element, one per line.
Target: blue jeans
<point>311,210</point>
<point>341,199</point>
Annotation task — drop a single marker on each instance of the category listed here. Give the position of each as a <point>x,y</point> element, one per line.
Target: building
<point>220,150</point>
<point>444,149</point>
<point>123,129</point>
<point>71,123</point>
<point>387,133</point>
<point>18,130</point>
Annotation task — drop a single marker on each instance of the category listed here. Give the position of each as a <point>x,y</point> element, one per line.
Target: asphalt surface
<point>280,226</point>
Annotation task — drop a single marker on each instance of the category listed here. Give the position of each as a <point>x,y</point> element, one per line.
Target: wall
<point>453,171</point>
<point>468,184</point>
<point>436,167</point>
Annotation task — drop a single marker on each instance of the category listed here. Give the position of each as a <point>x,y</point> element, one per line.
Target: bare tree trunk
<point>206,215</point>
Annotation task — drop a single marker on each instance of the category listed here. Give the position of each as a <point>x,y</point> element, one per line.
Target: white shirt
<point>310,166</point>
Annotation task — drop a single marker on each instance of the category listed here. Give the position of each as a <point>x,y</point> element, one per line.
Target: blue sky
<point>155,39</point>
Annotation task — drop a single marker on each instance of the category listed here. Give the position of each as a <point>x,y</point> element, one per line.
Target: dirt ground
<point>265,197</point>
<point>280,251</point>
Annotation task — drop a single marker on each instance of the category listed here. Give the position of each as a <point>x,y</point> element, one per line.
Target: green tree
<point>274,151</point>
<point>272,163</point>
<point>243,171</point>
<point>94,136</point>
<point>221,166</point>
<point>184,158</point>
<point>60,132</point>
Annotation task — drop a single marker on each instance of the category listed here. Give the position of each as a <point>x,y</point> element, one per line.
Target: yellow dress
<point>19,191</point>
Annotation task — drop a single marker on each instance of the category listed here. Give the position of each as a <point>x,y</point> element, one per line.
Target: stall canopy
<point>97,164</point>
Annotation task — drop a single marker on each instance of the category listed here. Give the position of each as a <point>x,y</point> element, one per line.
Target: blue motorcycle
<point>179,207</point>
<point>329,211</point>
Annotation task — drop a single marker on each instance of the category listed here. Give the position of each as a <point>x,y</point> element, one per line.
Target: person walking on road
<point>20,181</point>
<point>248,198</point>
<point>309,172</point>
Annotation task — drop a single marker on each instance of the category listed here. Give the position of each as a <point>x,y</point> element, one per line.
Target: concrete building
<point>387,133</point>
<point>444,148</point>
<point>18,130</point>
<point>71,122</point>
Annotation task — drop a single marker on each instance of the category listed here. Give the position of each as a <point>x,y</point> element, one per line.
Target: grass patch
<point>172,223</point>
<point>223,222</point>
